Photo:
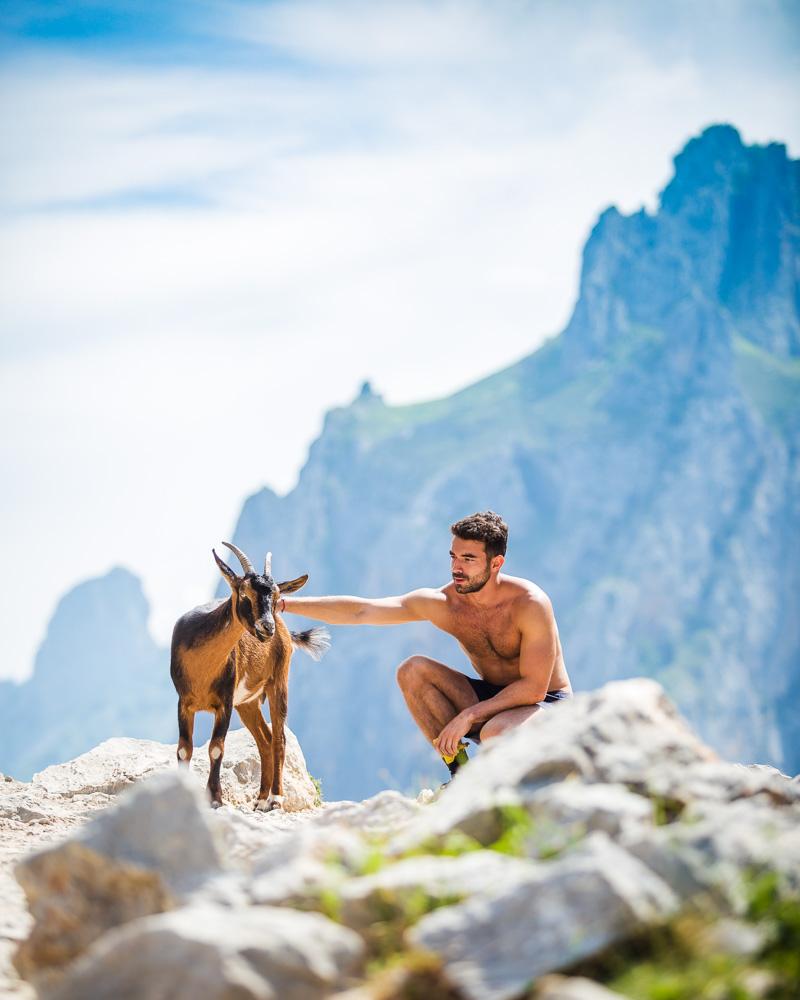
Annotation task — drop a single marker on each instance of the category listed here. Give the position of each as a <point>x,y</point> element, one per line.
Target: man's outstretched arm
<point>412,607</point>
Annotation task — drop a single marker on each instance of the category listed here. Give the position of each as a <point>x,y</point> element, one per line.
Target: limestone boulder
<point>716,781</point>
<point>74,896</point>
<point>618,735</point>
<point>241,771</point>
<point>255,953</point>
<point>385,813</point>
<point>419,884</point>
<point>575,806</point>
<point>139,856</point>
<point>117,763</point>
<point>557,987</point>
<point>494,945</point>
<point>296,871</point>
<point>108,768</point>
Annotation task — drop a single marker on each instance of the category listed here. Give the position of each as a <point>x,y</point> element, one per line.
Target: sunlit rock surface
<point>601,822</point>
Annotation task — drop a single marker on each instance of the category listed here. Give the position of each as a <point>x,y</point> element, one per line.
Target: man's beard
<point>473,583</point>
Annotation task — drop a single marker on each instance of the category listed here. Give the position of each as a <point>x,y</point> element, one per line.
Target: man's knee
<point>509,719</point>
<point>492,728</point>
<point>410,671</point>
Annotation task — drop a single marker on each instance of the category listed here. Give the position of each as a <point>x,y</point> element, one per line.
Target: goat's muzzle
<point>265,632</point>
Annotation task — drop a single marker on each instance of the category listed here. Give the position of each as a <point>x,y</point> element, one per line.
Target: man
<point>504,624</point>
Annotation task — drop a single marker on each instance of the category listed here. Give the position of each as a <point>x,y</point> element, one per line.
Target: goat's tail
<point>314,641</point>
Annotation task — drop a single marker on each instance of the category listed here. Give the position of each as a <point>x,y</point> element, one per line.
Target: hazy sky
<point>218,218</point>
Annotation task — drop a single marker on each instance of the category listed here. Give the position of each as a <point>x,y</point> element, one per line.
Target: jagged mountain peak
<point>706,163</point>
<point>725,234</point>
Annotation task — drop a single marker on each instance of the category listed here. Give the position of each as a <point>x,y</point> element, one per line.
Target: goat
<point>235,653</point>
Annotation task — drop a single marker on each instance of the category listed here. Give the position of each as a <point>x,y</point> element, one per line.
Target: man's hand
<point>448,739</point>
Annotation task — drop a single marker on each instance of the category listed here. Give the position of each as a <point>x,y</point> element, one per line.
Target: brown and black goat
<point>235,653</point>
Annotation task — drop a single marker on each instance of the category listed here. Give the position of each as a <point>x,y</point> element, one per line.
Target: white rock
<point>734,937</point>
<point>719,781</point>
<point>747,835</point>
<point>384,813</point>
<point>685,870</point>
<point>297,870</point>
<point>109,768</point>
<point>245,832</point>
<point>217,954</point>
<point>162,824</point>
<point>719,845</point>
<point>479,815</point>
<point>132,859</point>
<point>241,771</point>
<point>495,944</point>
<point>117,763</point>
<point>572,988</point>
<point>617,735</point>
<point>611,808</point>
<point>440,879</point>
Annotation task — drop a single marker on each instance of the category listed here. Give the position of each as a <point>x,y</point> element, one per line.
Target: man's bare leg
<point>434,693</point>
<point>504,721</point>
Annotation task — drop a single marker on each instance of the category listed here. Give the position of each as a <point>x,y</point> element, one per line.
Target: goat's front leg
<point>251,716</point>
<point>278,709</point>
<point>216,748</point>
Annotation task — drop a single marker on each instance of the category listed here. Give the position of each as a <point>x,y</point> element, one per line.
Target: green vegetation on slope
<point>771,384</point>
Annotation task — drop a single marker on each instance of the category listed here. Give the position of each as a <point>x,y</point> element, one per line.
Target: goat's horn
<point>268,564</point>
<point>247,566</point>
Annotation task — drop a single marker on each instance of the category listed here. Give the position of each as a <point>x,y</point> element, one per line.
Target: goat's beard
<point>473,584</point>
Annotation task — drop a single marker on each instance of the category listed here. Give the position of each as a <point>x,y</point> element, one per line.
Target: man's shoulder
<point>525,594</point>
<point>426,597</point>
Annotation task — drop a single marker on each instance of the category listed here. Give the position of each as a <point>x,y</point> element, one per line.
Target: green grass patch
<point>677,961</point>
<point>410,975</point>
<point>780,914</point>
<point>666,809</point>
<point>395,912</point>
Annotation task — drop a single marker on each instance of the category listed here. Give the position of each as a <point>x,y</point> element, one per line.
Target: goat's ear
<point>226,571</point>
<point>292,585</point>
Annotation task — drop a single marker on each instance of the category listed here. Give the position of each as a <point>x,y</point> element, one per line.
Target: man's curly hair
<point>486,527</point>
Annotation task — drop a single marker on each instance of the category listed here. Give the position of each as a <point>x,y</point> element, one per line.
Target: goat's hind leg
<point>185,731</point>
<point>251,716</point>
<point>216,749</point>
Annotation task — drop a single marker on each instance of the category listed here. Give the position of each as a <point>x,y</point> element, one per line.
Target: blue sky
<point>211,204</point>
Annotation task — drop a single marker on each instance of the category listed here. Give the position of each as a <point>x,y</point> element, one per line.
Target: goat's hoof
<point>216,803</point>
<point>270,803</point>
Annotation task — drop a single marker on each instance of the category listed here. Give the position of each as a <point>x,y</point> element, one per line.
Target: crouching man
<point>504,624</point>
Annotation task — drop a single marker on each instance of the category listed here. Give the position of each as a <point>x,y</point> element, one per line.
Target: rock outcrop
<point>98,673</point>
<point>597,845</point>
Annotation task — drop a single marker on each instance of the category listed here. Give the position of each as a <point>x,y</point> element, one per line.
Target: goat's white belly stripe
<point>242,695</point>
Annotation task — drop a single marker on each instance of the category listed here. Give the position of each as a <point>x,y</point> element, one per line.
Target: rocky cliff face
<point>598,851</point>
<point>97,674</point>
<point>646,461</point>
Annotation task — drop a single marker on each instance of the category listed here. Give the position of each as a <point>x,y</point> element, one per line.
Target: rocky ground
<point>600,850</point>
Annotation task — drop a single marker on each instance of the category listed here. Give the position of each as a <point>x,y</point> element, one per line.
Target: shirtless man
<point>504,624</point>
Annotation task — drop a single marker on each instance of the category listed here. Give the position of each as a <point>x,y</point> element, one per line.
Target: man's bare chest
<point>491,633</point>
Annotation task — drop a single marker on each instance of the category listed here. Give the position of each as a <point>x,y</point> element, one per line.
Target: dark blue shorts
<point>484,690</point>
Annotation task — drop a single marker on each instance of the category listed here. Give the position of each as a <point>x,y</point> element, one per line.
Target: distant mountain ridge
<point>98,673</point>
<point>645,460</point>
